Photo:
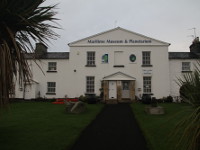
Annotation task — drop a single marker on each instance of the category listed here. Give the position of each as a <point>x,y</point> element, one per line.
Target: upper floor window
<point>146,58</point>
<point>90,59</point>
<point>52,66</point>
<point>104,58</point>
<point>118,59</point>
<point>186,66</point>
<point>51,87</point>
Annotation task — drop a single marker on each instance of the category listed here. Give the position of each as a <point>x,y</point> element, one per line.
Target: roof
<point>48,55</point>
<point>117,29</point>
<point>183,55</point>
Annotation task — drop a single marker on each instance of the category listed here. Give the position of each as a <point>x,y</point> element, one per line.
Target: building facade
<point>120,64</point>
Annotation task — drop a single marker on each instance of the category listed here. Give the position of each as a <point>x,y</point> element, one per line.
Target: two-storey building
<point>120,63</point>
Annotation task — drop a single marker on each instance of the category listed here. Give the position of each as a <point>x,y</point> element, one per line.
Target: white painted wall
<point>159,59</point>
<point>71,73</point>
<point>41,76</point>
<point>175,66</point>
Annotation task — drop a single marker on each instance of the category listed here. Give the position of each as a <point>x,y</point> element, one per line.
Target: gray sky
<point>166,20</point>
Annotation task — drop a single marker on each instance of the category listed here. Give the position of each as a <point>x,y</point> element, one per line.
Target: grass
<point>159,129</point>
<point>42,126</point>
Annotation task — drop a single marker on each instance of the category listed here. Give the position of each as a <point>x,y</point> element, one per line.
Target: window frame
<point>125,85</point>
<point>51,89</point>
<point>90,84</point>
<point>91,60</point>
<point>147,81</point>
<point>103,60</point>
<point>146,59</point>
<point>186,68</point>
<point>118,55</point>
<point>50,66</point>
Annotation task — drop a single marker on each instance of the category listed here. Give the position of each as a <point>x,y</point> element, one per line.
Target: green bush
<point>169,99</point>
<point>83,98</point>
<point>154,102</point>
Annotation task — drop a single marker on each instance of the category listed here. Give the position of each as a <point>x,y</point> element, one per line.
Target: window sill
<point>184,71</point>
<point>118,66</point>
<point>90,94</point>
<point>51,71</point>
<point>147,65</point>
<point>90,65</point>
<point>50,93</point>
<point>148,93</point>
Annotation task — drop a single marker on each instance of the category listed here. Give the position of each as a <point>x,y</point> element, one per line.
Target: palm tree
<point>21,23</point>
<point>190,86</point>
<point>190,126</point>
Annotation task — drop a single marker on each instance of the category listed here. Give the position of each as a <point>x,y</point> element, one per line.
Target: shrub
<point>160,100</point>
<point>154,102</point>
<point>190,87</point>
<point>82,98</point>
<point>91,99</point>
<point>169,99</point>
<point>146,99</point>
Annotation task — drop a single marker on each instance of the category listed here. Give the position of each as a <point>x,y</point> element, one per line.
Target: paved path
<point>115,128</point>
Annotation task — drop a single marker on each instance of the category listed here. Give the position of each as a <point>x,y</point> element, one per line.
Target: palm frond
<point>21,22</point>
<point>190,127</point>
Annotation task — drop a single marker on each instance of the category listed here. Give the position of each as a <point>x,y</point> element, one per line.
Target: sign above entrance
<point>97,41</point>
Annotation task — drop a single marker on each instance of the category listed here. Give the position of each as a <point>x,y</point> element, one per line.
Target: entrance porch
<point>119,88</point>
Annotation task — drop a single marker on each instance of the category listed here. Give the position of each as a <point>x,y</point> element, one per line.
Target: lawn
<point>159,129</point>
<point>42,126</point>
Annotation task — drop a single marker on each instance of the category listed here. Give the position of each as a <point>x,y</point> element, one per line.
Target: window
<point>132,58</point>
<point>52,66</point>
<point>105,58</point>
<point>89,84</point>
<point>51,87</point>
<point>90,59</point>
<point>186,66</point>
<point>118,60</point>
<point>125,85</point>
<point>147,85</point>
<point>146,58</point>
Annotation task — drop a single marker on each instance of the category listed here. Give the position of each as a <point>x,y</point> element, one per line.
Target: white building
<point>121,63</point>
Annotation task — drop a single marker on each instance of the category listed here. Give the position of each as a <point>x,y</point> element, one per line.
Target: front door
<point>112,90</point>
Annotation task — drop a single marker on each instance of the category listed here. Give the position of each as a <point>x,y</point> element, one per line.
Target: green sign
<point>132,58</point>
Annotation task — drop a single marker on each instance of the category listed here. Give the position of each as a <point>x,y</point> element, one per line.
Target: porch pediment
<point>118,76</point>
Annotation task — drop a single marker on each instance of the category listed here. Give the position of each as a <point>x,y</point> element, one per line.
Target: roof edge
<point>117,28</point>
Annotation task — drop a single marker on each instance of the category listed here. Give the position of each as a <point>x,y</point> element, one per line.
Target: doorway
<point>112,90</point>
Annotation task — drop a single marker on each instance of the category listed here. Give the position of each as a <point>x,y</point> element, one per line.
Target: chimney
<point>195,47</point>
<point>40,49</point>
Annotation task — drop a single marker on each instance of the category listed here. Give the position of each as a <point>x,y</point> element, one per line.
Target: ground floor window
<point>90,84</point>
<point>51,87</point>
<point>147,85</point>
<point>125,85</point>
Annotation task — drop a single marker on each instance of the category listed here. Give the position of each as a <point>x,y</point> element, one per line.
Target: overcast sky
<point>166,20</point>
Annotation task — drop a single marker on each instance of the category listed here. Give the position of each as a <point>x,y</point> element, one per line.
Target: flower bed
<point>61,100</point>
